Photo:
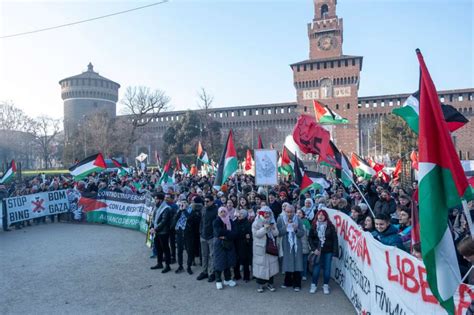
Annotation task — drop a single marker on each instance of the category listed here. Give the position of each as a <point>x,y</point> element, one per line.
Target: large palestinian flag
<point>94,163</point>
<point>228,163</point>
<point>361,168</point>
<point>9,174</point>
<point>409,112</point>
<point>442,185</point>
<point>168,175</point>
<point>313,180</point>
<point>324,115</point>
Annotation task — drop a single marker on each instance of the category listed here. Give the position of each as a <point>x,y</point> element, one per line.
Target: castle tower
<point>328,75</point>
<point>86,94</point>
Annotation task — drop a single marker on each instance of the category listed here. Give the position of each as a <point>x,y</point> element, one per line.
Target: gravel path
<point>97,269</point>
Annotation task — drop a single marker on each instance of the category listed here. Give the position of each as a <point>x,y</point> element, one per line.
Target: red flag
<point>414,159</point>
<point>194,170</point>
<point>248,161</point>
<point>398,170</point>
<point>260,143</point>
<point>178,165</point>
<point>310,137</point>
<point>332,156</point>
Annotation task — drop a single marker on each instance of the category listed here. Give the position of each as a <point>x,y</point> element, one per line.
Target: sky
<point>239,51</point>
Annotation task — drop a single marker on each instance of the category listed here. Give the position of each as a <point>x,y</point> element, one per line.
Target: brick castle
<point>327,75</point>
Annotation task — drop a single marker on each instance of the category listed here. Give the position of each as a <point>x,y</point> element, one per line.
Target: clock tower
<point>329,76</point>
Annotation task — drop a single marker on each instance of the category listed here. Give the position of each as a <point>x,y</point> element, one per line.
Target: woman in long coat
<point>264,266</point>
<point>224,248</point>
<point>291,231</point>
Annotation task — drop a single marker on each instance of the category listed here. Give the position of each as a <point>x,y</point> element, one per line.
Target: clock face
<point>326,42</point>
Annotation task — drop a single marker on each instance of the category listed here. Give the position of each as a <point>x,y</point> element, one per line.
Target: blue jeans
<point>305,265</point>
<point>325,263</point>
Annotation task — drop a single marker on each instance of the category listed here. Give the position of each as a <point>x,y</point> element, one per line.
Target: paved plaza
<point>98,269</point>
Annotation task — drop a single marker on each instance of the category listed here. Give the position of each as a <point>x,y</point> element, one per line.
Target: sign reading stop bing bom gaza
<point>380,279</point>
<point>34,206</point>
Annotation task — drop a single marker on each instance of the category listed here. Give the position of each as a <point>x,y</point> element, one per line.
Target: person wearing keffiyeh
<point>323,243</point>
<point>185,223</point>
<point>291,230</point>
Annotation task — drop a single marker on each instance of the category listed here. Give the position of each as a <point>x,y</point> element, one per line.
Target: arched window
<point>324,11</point>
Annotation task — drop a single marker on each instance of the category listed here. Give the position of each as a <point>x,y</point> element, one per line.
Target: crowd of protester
<point>242,232</point>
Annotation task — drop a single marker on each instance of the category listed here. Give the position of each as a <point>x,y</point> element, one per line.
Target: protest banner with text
<point>34,206</point>
<point>125,210</point>
<point>380,279</point>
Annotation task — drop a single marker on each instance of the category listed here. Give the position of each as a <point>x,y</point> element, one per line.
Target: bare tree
<point>45,130</point>
<point>142,104</point>
<point>208,126</point>
<point>14,119</point>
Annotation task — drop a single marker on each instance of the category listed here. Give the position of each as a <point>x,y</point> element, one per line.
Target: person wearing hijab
<point>291,230</point>
<point>243,245</point>
<point>224,249</point>
<point>309,209</point>
<point>231,209</point>
<point>323,243</point>
<point>264,265</point>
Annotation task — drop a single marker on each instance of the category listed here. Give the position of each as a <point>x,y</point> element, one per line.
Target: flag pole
<point>357,187</point>
<point>467,274</point>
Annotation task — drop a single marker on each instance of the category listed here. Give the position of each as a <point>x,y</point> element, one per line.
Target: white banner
<point>33,206</point>
<point>380,279</point>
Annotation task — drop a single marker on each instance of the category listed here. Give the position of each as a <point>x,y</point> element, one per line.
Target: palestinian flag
<point>260,143</point>
<point>288,161</point>
<point>122,171</point>
<point>297,170</point>
<point>409,112</point>
<point>324,115</point>
<point>346,172</point>
<point>313,180</point>
<point>285,167</point>
<point>331,157</point>
<point>9,174</point>
<point>361,168</point>
<point>168,175</point>
<point>94,163</point>
<point>442,185</point>
<point>228,163</point>
<point>202,155</point>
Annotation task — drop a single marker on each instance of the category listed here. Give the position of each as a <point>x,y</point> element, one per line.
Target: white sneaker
<point>304,279</point>
<point>219,286</point>
<point>313,288</point>
<point>283,286</point>
<point>325,289</point>
<point>230,283</point>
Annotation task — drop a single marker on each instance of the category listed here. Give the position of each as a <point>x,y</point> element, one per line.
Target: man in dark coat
<point>386,204</point>
<point>207,238</point>
<point>185,223</point>
<point>274,204</point>
<point>169,199</point>
<point>161,229</point>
